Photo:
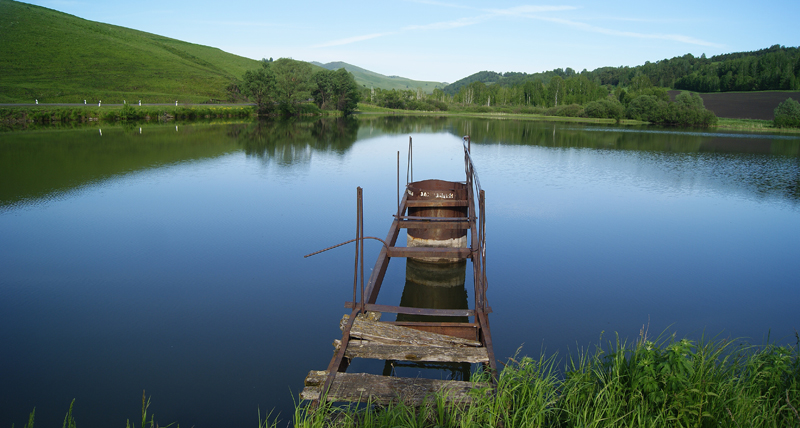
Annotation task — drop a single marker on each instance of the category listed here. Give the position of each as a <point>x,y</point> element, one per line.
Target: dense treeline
<point>774,68</point>
<point>574,96</point>
<point>284,86</point>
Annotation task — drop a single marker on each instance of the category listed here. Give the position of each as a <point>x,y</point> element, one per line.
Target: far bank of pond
<point>43,115</point>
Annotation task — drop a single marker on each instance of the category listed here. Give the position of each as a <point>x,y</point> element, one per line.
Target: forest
<point>608,91</point>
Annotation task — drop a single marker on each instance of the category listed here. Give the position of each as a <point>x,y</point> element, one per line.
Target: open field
<point>55,57</point>
<point>744,105</point>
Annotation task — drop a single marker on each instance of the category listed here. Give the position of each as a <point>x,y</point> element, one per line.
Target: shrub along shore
<point>54,115</point>
<point>663,382</point>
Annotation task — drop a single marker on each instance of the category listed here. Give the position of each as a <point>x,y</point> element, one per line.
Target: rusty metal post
<point>482,213</point>
<point>361,240</point>
<point>398,182</point>
<point>358,241</point>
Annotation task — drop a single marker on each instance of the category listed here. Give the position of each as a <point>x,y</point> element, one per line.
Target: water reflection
<point>290,142</point>
<point>41,165</point>
<point>435,286</point>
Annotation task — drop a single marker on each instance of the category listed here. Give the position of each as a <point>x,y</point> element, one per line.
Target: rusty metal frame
<point>475,221</point>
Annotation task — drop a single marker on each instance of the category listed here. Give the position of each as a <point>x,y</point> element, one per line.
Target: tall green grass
<point>665,382</point>
<point>661,383</point>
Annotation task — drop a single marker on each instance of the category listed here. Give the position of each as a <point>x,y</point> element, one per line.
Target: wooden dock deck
<point>365,336</point>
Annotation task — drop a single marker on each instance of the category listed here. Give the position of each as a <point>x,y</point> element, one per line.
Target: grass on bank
<point>660,383</point>
<point>372,109</point>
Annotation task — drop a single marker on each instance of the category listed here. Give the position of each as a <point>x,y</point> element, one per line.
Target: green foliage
<point>687,110</point>
<point>69,421</point>
<point>787,114</point>
<point>336,90</point>
<point>661,383</point>
<point>292,84</point>
<point>259,87</point>
<point>145,423</point>
<point>608,107</point>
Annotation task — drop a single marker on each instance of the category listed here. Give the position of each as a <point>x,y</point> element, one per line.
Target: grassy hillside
<point>56,57</point>
<point>369,79</point>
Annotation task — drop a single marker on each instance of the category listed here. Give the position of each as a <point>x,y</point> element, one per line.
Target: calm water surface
<point>170,260</point>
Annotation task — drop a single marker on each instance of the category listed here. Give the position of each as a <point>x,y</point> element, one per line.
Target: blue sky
<point>447,40</point>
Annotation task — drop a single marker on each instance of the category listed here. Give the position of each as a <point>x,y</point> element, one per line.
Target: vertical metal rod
<point>361,236</point>
<point>411,158</point>
<point>482,238</point>
<point>469,144</point>
<point>358,230</point>
<point>398,182</point>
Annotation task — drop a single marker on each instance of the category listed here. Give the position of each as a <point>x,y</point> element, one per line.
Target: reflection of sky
<point>188,280</point>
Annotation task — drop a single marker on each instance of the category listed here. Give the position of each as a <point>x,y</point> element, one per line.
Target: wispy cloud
<point>538,12</point>
<point>611,32</point>
<point>349,40</point>
<point>447,25</point>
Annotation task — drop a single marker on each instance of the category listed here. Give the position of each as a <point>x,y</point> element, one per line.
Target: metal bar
<point>462,253</point>
<point>361,235</point>
<point>398,182</point>
<point>486,340</point>
<point>358,243</point>
<point>378,272</point>
<point>432,219</point>
<point>415,311</point>
<point>338,358</point>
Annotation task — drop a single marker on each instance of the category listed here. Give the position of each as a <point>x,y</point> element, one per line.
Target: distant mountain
<point>369,79</point>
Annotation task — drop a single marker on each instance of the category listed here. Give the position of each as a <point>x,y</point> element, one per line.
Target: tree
<point>345,90</point>
<point>292,84</point>
<point>259,87</point>
<point>787,114</point>
<point>323,88</point>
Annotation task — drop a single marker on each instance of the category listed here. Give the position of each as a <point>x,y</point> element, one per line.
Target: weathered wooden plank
<point>362,387</point>
<point>379,351</point>
<point>462,253</point>
<point>377,331</point>
<point>462,330</point>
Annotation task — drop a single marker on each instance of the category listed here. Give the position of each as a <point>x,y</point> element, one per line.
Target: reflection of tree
<point>759,166</point>
<point>291,141</point>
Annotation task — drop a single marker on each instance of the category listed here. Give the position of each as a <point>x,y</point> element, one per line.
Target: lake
<point>169,258</point>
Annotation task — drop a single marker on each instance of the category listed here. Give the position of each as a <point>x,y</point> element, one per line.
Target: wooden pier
<point>436,213</point>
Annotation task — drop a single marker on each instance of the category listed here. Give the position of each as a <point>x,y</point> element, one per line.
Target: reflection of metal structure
<point>440,214</point>
<point>434,286</point>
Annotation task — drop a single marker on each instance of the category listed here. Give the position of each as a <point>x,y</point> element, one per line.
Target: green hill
<point>369,79</point>
<point>55,57</point>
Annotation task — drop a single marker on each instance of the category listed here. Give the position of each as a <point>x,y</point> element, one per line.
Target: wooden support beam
<point>362,387</point>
